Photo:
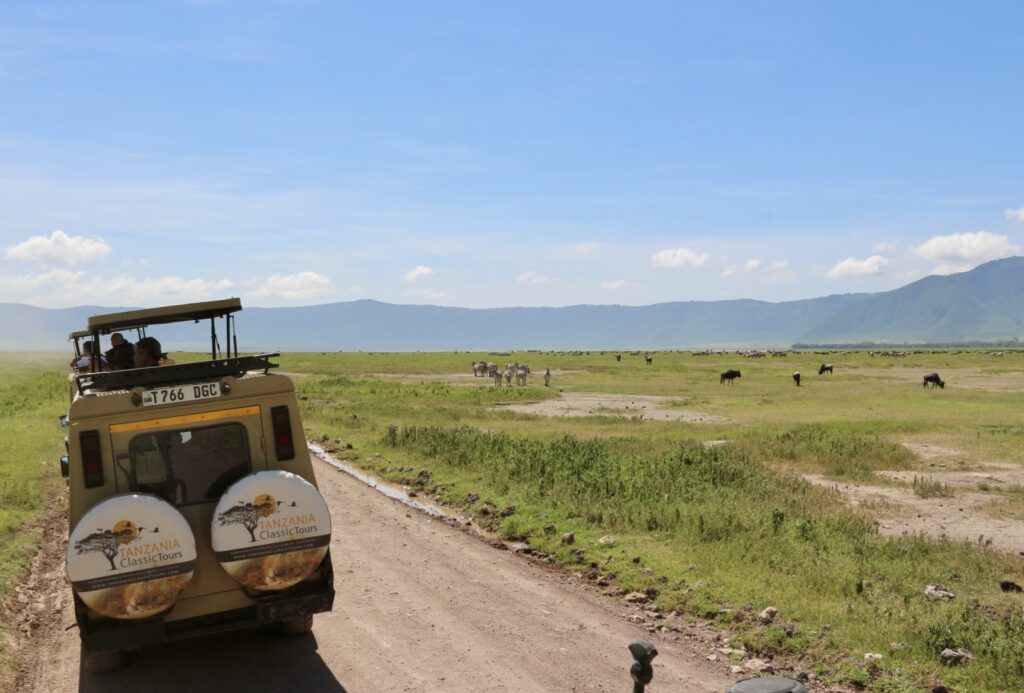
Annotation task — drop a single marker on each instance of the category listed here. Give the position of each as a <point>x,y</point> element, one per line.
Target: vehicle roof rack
<point>185,312</point>
<point>175,373</point>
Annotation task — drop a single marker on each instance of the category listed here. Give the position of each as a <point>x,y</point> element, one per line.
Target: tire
<point>104,662</point>
<point>106,546</point>
<point>270,530</point>
<point>297,625</point>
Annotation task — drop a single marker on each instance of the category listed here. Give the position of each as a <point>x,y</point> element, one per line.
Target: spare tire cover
<point>271,530</point>
<point>130,556</point>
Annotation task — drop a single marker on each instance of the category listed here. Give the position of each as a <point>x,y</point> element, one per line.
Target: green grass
<point>722,531</point>
<point>33,394</point>
<point>715,532</point>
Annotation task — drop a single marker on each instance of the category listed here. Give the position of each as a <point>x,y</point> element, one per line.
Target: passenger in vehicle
<point>120,355</point>
<point>147,353</point>
<point>83,363</point>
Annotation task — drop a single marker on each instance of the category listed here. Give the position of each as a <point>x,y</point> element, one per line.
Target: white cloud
<point>966,247</point>
<point>778,265</point>
<point>59,249</point>
<point>885,247</point>
<point>60,287</point>
<point>852,267</point>
<point>1017,214</point>
<point>678,257</point>
<point>614,284</point>
<point>945,269</point>
<point>56,278</point>
<point>292,287</point>
<point>532,277</point>
<point>754,264</point>
<point>418,272</point>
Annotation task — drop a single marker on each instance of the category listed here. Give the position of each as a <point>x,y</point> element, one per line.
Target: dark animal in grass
<point>1009,586</point>
<point>649,359</point>
<point>825,368</point>
<point>618,357</point>
<point>796,378</point>
<point>934,380</point>
<point>728,377</point>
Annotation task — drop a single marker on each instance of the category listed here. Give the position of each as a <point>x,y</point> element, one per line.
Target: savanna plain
<point>836,502</point>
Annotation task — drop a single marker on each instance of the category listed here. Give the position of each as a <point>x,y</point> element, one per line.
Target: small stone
<point>955,655</point>
<point>606,539</point>
<point>758,666</point>
<point>768,615</point>
<point>897,646</point>
<point>568,538</point>
<point>636,618</point>
<point>712,658</point>
<point>647,571</point>
<point>549,529</point>
<point>872,656</point>
<point>636,598</point>
<point>938,592</point>
<point>736,670</point>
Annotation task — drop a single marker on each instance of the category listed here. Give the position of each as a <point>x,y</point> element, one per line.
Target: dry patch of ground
<point>959,514</point>
<point>465,378</point>
<point>645,407</point>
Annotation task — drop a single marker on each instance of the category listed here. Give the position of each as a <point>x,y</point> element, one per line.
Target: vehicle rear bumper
<point>309,597</point>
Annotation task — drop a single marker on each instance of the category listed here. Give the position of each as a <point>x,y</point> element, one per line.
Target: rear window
<point>189,465</point>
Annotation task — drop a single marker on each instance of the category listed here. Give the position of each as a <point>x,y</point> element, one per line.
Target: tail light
<point>283,443</point>
<point>92,458</point>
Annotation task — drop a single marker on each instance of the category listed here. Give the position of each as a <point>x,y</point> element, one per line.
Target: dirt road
<point>421,606</point>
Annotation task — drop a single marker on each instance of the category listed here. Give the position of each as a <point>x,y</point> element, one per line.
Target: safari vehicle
<point>193,505</point>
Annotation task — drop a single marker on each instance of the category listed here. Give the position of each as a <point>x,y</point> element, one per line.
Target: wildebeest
<point>796,378</point>
<point>649,359</point>
<point>825,368</point>
<point>547,377</point>
<point>728,376</point>
<point>934,379</point>
<point>618,357</point>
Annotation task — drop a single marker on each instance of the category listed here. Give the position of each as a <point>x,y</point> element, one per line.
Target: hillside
<point>985,304</point>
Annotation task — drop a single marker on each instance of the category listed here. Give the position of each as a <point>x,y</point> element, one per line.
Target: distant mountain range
<point>985,305</point>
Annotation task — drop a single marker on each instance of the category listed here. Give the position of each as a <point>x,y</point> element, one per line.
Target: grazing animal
<point>728,376</point>
<point>934,380</point>
<point>649,359</point>
<point>521,374</point>
<point>496,374</point>
<point>796,378</point>
<point>547,377</point>
<point>618,357</point>
<point>825,368</point>
<point>508,376</point>
<point>479,369</point>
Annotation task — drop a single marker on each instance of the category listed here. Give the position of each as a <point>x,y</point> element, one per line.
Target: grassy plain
<point>720,532</point>
<point>33,394</point>
<point>716,532</point>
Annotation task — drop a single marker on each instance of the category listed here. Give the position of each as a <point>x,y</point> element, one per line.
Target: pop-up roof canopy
<point>78,334</point>
<point>186,312</point>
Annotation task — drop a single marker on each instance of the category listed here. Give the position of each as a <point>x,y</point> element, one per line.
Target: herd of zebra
<point>512,371</point>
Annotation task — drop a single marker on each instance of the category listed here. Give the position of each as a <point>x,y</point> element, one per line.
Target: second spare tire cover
<point>271,530</point>
<point>130,555</point>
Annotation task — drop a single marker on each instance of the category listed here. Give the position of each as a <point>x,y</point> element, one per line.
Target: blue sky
<point>533,153</point>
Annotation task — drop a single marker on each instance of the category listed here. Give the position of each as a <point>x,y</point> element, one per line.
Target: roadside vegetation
<point>713,520</point>
<point>33,394</point>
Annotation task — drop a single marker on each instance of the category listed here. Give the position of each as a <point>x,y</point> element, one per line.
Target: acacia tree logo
<point>109,541</point>
<point>248,514</point>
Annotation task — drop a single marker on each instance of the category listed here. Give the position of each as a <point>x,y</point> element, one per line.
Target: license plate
<point>180,393</point>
